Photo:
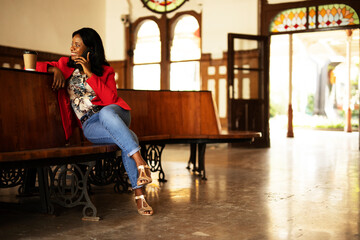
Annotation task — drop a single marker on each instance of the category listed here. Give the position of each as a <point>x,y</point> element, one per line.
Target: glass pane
<point>186,42</point>
<point>222,70</point>
<point>246,88</point>
<point>164,6</point>
<point>222,98</point>
<point>148,45</point>
<point>312,18</point>
<point>245,66</point>
<point>246,60</point>
<point>334,15</point>
<point>245,44</point>
<point>236,88</point>
<point>185,76</point>
<point>211,70</point>
<point>289,20</point>
<point>247,85</point>
<point>147,77</point>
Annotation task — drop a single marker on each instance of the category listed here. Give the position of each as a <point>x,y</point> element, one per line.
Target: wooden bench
<point>32,139</point>
<point>174,117</point>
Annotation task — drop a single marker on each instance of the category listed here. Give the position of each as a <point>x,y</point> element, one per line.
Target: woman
<point>86,86</point>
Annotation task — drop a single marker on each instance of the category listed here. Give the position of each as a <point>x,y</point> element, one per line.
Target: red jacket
<point>104,87</point>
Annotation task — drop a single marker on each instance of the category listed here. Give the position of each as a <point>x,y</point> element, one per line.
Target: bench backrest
<point>171,112</point>
<point>29,111</point>
<point>30,116</point>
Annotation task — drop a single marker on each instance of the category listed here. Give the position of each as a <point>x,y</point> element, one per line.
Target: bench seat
<point>56,153</point>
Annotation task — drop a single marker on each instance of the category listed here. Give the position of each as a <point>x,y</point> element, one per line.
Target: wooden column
<point>290,132</point>
<point>165,53</point>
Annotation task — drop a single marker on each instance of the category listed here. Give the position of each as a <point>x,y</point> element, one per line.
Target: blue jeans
<point>111,125</point>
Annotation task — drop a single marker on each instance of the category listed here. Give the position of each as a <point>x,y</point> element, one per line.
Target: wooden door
<point>248,85</point>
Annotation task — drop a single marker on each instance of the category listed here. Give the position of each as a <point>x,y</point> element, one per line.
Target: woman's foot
<point>144,170</point>
<point>144,175</point>
<point>143,207</point>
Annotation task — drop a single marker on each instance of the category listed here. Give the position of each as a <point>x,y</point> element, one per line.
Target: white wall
<point>115,36</point>
<point>231,16</point>
<point>47,25</point>
<point>218,19</point>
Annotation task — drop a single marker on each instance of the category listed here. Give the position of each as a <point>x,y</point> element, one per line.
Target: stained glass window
<point>323,16</point>
<point>289,20</point>
<point>163,6</point>
<point>335,15</point>
<point>312,17</point>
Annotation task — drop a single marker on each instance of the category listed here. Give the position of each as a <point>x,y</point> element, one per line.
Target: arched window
<point>147,57</point>
<point>185,54</point>
<point>164,53</point>
<point>321,16</point>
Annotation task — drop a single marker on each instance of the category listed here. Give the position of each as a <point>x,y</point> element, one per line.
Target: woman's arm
<point>54,67</point>
<point>104,87</point>
<point>59,80</point>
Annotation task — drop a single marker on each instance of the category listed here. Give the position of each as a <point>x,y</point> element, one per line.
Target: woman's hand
<point>59,80</point>
<point>85,63</point>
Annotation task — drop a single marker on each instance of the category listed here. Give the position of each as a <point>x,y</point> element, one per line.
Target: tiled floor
<point>301,188</point>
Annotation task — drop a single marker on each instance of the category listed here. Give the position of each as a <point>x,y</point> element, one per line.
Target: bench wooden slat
<point>236,134</point>
<point>60,152</point>
<point>154,138</point>
<point>200,136</point>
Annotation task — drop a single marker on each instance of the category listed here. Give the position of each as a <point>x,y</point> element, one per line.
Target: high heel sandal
<point>143,178</point>
<point>144,206</point>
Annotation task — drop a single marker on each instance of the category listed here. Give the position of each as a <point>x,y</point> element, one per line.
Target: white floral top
<point>81,95</point>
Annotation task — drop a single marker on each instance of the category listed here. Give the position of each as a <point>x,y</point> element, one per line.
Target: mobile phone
<point>85,53</point>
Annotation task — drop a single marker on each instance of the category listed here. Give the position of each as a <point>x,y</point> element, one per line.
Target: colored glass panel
<point>331,15</point>
<point>335,15</point>
<point>163,6</point>
<point>312,18</point>
<point>289,20</point>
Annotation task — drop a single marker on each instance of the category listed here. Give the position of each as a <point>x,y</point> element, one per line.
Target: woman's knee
<point>114,112</point>
<point>135,137</point>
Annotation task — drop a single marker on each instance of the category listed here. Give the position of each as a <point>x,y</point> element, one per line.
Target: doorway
<point>324,82</point>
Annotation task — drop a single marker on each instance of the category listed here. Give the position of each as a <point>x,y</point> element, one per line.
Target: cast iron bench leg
<point>69,188</point>
<point>152,155</point>
<point>46,205</point>
<point>201,159</point>
<point>192,159</point>
<point>199,162</point>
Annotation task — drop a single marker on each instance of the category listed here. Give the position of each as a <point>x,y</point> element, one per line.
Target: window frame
<point>166,28</point>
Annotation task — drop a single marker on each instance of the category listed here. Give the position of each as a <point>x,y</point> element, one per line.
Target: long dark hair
<point>92,40</point>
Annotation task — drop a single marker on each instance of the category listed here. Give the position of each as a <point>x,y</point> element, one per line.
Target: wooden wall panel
<point>120,73</point>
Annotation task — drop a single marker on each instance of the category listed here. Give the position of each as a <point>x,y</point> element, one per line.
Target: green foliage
<point>277,109</point>
<point>310,104</point>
